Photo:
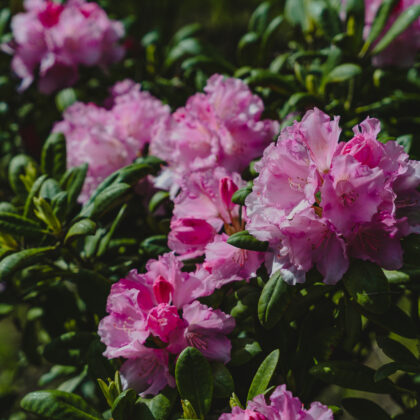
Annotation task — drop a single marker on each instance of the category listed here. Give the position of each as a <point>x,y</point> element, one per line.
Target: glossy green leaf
<point>259,19</point>
<point>223,381</point>
<point>403,21</point>
<point>363,409</point>
<point>351,375</point>
<point>245,240</point>
<point>325,17</point>
<point>81,228</point>
<point>59,405</point>
<point>240,195</point>
<point>273,300</point>
<point>161,405</point>
<point>244,350</point>
<point>18,225</point>
<point>185,47</point>
<point>32,193</point>
<point>54,156</point>
<point>158,198</point>
<point>155,245</point>
<point>343,72</point>
<point>123,405</point>
<point>194,380</point>
<point>396,351</point>
<point>72,181</point>
<point>65,98</point>
<point>367,285</point>
<point>264,374</point>
<point>19,166</point>
<point>18,260</point>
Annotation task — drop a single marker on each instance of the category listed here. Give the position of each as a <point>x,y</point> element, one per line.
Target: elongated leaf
<point>343,72</point>
<point>161,405</point>
<point>19,166</point>
<point>223,381</point>
<point>72,181</point>
<point>81,228</point>
<point>54,157</point>
<point>355,18</point>
<point>403,21</point>
<point>259,19</point>
<point>14,262</point>
<point>157,199</point>
<point>351,375</point>
<point>185,47</point>
<point>123,405</point>
<point>245,240</point>
<point>362,409</point>
<point>49,189</point>
<point>32,193</point>
<point>273,301</point>
<point>59,405</point>
<point>396,351</point>
<point>194,380</point>
<point>240,195</point>
<point>264,374</point>
<point>368,286</point>
<point>65,98</point>
<point>325,16</point>
<point>18,225</point>
<point>243,350</point>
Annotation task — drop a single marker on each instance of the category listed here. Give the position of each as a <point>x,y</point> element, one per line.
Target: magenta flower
<point>318,202</point>
<point>148,374</point>
<point>402,51</point>
<point>58,38</point>
<point>282,406</point>
<point>221,127</point>
<point>109,139</point>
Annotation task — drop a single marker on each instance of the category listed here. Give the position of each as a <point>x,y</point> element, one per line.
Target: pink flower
<point>317,201</point>
<point>58,38</point>
<point>92,138</point>
<point>225,263</point>
<point>206,330</point>
<point>162,320</point>
<point>402,51</point>
<point>148,374</point>
<point>220,127</point>
<point>283,406</point>
<point>188,237</point>
<point>201,197</point>
<point>109,139</point>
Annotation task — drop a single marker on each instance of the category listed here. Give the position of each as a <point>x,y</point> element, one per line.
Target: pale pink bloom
<point>136,112</point>
<point>148,374</point>
<point>58,38</point>
<point>188,237</point>
<point>402,51</point>
<point>221,127</point>
<point>92,138</point>
<point>201,198</point>
<point>206,330</point>
<point>282,406</point>
<point>225,263</point>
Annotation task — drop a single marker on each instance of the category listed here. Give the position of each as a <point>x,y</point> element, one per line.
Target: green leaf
<point>72,181</point>
<point>81,228</point>
<point>325,17</point>
<point>405,141</point>
<point>223,381</point>
<point>155,245</point>
<point>355,20</point>
<point>185,32</point>
<point>362,409</point>
<point>386,370</point>
<point>69,349</point>
<point>396,351</point>
<point>21,165</point>
<point>351,375</point>
<point>14,262</point>
<point>54,156</point>
<point>32,193</point>
<point>18,225</point>
<point>161,405</point>
<point>259,19</point>
<point>295,13</point>
<point>157,199</point>
<point>49,189</point>
<point>244,350</point>
<point>65,98</point>
<point>245,240</point>
<point>240,195</point>
<point>403,21</point>
<point>185,47</point>
<point>367,285</point>
<point>194,380</point>
<point>59,405</point>
<point>342,73</point>
<point>105,241</point>
<point>109,198</point>
<point>273,301</point>
<point>123,405</point>
<point>264,374</point>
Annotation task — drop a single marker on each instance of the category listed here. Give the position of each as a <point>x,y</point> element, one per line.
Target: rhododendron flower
<point>109,139</point>
<point>148,374</point>
<point>221,127</point>
<point>317,201</point>
<point>282,406</point>
<point>57,38</point>
<point>225,263</point>
<point>402,51</point>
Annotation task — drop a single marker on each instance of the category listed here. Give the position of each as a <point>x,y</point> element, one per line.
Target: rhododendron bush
<point>210,210</point>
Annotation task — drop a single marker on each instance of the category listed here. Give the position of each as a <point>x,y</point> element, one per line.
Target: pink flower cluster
<point>283,406</point>
<point>161,307</point>
<point>219,128</point>
<point>402,51</point>
<point>109,139</point>
<point>53,39</point>
<point>320,202</point>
